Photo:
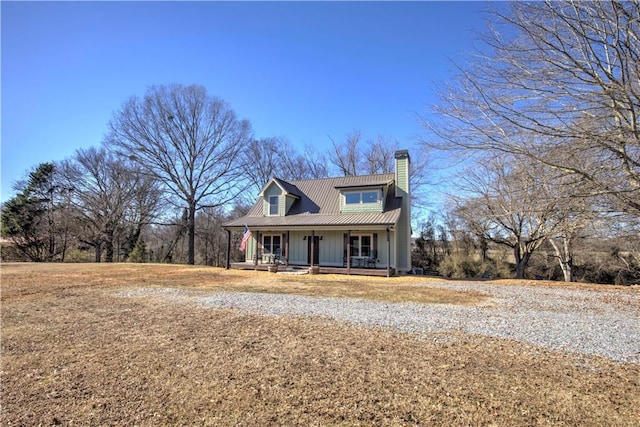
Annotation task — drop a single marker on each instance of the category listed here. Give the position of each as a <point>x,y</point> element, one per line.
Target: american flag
<point>245,237</point>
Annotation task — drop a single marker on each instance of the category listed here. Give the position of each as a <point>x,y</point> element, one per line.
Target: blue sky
<point>305,71</point>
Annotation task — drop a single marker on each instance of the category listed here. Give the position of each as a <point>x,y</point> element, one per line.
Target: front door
<point>316,250</point>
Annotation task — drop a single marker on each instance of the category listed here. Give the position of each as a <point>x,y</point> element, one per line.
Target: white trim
<point>361,202</point>
<point>359,236</point>
<point>271,235</point>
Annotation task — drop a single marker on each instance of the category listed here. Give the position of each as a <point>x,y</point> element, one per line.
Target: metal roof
<point>319,204</point>
<point>287,187</point>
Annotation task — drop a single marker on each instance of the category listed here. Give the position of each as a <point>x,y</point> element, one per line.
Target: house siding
<point>331,247</point>
<point>288,202</point>
<point>297,248</point>
<point>274,190</point>
<point>403,228</point>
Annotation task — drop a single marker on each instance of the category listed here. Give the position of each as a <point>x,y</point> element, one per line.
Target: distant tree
<point>379,156</point>
<point>345,156</point>
<point>310,164</point>
<point>211,237</point>
<point>111,198</point>
<point>31,219</point>
<point>139,251</point>
<point>428,249</point>
<point>261,160</point>
<point>510,207</point>
<point>560,85</point>
<point>266,158</point>
<point>187,140</point>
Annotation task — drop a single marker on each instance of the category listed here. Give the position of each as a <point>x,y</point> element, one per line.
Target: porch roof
<point>308,220</point>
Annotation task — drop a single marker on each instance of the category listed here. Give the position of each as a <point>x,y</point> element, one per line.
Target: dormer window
<point>273,205</point>
<point>362,197</point>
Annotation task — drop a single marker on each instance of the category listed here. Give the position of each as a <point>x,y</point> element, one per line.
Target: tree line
<point>541,123</point>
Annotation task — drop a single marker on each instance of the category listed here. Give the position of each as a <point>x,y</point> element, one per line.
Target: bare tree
<point>187,140</point>
<point>345,156</point>
<point>379,156</point>
<point>212,242</point>
<point>261,160</point>
<point>574,214</point>
<point>510,207</point>
<point>266,158</point>
<point>310,164</point>
<point>564,91</point>
<point>110,197</point>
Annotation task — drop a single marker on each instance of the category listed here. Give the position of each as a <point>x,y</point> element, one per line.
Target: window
<point>273,205</point>
<point>361,197</point>
<point>360,245</point>
<point>370,197</point>
<point>352,198</point>
<point>271,243</point>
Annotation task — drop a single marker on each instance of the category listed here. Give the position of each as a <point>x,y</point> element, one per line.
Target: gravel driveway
<point>603,322</point>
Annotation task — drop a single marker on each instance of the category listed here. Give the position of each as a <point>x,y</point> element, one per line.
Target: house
<point>357,224</point>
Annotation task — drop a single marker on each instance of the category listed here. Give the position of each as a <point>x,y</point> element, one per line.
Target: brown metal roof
<point>286,186</point>
<point>319,204</point>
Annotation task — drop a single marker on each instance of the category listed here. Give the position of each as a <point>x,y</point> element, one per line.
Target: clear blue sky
<point>303,71</point>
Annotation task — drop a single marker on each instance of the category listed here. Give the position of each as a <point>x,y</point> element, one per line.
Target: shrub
<point>139,252</point>
<point>461,266</point>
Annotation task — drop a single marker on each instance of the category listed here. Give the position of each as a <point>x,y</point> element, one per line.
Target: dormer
<point>279,196</point>
<point>361,197</point>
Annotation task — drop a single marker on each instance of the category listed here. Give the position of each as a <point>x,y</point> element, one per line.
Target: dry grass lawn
<point>74,353</point>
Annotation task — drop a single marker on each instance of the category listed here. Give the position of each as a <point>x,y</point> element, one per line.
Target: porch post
<point>286,250</point>
<point>255,260</point>
<point>348,251</point>
<point>313,237</point>
<point>388,253</point>
<point>228,265</point>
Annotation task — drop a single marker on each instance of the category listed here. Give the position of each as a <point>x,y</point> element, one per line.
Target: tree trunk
<point>522,259</point>
<point>191,225</point>
<point>565,257</point>
<point>108,250</point>
<point>98,251</point>
<point>108,242</point>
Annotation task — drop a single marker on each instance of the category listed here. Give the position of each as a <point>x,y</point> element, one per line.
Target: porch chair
<point>371,261</point>
<point>277,255</point>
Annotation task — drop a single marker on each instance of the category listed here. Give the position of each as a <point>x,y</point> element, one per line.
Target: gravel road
<point>603,322</point>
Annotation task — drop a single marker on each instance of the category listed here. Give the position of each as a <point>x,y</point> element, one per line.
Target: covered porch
<point>356,271</point>
<point>367,250</point>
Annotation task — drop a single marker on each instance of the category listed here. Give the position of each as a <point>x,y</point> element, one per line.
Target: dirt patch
<point>74,353</point>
